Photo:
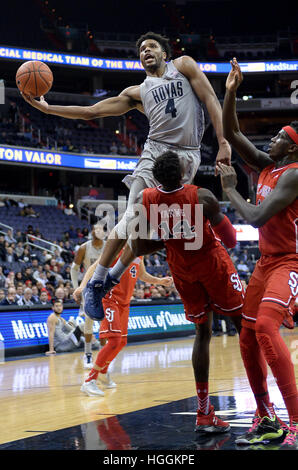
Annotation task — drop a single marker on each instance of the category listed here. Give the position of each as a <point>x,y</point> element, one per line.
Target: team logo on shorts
<point>293,283</point>
<point>109,314</point>
<point>237,284</point>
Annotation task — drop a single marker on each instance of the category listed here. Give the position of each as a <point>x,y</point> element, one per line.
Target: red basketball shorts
<point>115,322</point>
<point>274,282</point>
<point>212,284</point>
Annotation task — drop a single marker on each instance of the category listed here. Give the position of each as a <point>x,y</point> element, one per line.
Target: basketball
<point>34,78</point>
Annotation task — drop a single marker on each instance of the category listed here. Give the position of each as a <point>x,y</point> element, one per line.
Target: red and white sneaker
<point>291,440</point>
<point>210,423</point>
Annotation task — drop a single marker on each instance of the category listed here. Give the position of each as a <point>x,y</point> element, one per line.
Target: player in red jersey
<point>205,276</point>
<point>273,287</point>
<point>114,326</point>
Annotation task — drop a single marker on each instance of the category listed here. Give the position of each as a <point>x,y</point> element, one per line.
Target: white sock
<point>88,347</point>
<point>117,270</point>
<point>100,273</point>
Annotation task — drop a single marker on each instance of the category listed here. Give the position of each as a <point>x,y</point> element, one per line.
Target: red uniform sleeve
<point>226,232</point>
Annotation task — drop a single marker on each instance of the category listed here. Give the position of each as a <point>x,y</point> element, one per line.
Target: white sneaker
<point>106,380</point>
<point>91,389</point>
<point>87,361</point>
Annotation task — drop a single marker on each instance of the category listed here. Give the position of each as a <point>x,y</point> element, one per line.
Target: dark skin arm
<point>128,99</point>
<point>255,158</point>
<point>284,193</point>
<point>211,207</point>
<point>203,89</point>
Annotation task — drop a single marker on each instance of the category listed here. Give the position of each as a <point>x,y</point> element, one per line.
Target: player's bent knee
<point>114,342</point>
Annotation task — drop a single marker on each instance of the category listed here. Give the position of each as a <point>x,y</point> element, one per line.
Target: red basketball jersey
<point>280,234</point>
<point>123,291</point>
<point>178,218</point>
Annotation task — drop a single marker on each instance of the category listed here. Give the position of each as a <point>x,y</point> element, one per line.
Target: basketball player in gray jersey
<point>171,97</point>
<point>86,255</point>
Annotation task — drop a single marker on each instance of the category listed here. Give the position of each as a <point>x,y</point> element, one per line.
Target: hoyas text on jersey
<point>167,91</point>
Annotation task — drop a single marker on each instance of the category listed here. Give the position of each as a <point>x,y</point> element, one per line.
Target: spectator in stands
<point>28,211</point>
<point>35,294</point>
<point>155,260</point>
<point>242,267</point>
<point>123,149</point>
<point>43,298</point>
<point>25,257</point>
<point>10,280</point>
<point>20,237</point>
<point>27,276</point>
<point>2,278</point>
<point>66,273</point>
<point>147,260</point>
<point>10,298</point>
<point>10,257</point>
<point>19,249</point>
<point>19,291</point>
<point>113,149</point>
<point>155,294</point>
<point>22,204</point>
<point>9,237</point>
<point>2,295</point>
<point>71,232</point>
<point>138,294</point>
<point>27,298</point>
<point>19,278</point>
<point>2,248</point>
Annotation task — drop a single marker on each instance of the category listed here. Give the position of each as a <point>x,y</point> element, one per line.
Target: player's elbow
<point>257,221</point>
<point>90,112</point>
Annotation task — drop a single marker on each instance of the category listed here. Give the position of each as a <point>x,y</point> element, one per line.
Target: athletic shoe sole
<point>212,429</point>
<point>91,394</point>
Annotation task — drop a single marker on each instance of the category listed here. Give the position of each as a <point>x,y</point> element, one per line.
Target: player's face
<point>98,232</point>
<point>279,145</point>
<point>151,54</point>
<point>58,308</point>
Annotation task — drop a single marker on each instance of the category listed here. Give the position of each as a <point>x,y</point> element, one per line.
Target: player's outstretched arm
<point>284,193</point>
<point>116,106</point>
<point>77,295</point>
<point>146,277</point>
<point>250,154</point>
<point>206,94</point>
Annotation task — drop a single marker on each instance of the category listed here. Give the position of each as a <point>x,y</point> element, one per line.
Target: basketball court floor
<point>153,406</point>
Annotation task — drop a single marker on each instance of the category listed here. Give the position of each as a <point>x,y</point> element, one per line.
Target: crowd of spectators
<point>29,275</point>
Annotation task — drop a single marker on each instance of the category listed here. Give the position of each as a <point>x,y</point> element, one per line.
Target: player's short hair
<point>294,125</point>
<point>162,40</point>
<point>167,170</point>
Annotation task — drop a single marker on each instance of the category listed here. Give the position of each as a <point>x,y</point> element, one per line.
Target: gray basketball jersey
<point>173,109</point>
<point>91,254</point>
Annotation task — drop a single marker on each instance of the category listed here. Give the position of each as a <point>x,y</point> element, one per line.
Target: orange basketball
<point>34,78</point>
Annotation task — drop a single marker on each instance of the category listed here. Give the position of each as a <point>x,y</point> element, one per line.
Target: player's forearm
<point>146,277</point>
<point>215,112</point>
<point>248,211</point>
<point>229,116</point>
<point>88,275</point>
<point>51,340</point>
<point>70,112</point>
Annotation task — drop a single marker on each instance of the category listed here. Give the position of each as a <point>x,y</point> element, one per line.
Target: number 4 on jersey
<point>170,108</point>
